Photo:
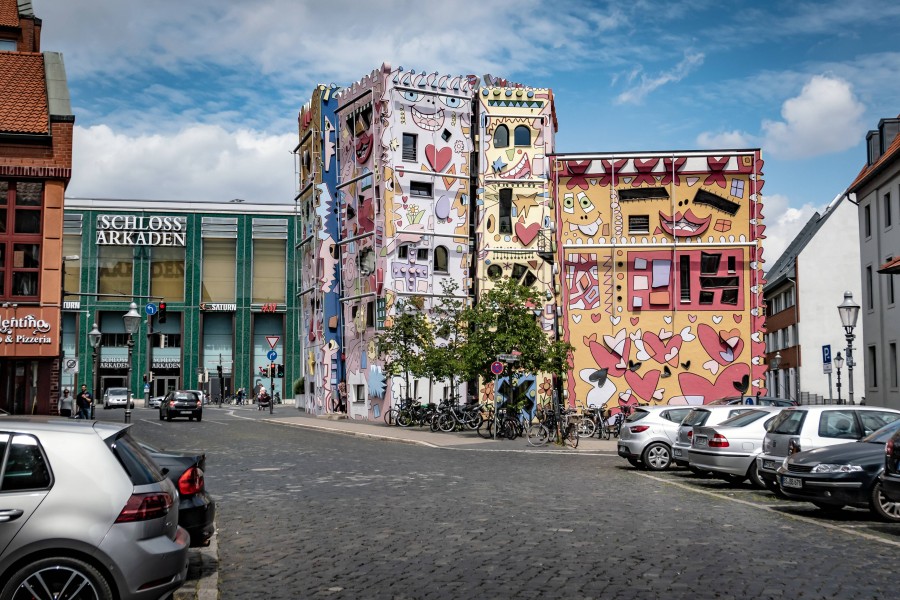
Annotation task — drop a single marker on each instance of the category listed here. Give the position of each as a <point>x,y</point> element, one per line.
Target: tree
<point>405,344</point>
<point>446,359</point>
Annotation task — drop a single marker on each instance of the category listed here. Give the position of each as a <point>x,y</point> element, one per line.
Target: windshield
<point>882,435</point>
<point>788,422</point>
<point>697,416</point>
<point>636,416</point>
<point>745,418</point>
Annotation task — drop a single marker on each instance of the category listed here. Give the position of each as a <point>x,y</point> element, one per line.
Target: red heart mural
<point>696,385</point>
<point>527,233</point>
<point>604,358</point>
<point>643,386</point>
<point>438,159</point>
<point>663,351</point>
<point>712,342</point>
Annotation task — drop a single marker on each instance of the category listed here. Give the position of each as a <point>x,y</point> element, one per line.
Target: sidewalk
<point>466,440</point>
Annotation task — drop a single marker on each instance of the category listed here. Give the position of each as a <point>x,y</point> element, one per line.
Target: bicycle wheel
<point>434,422</point>
<point>486,429</point>
<point>390,416</point>
<point>586,427</point>
<point>405,418</point>
<point>537,434</point>
<point>571,435</point>
<point>447,422</point>
<point>510,428</point>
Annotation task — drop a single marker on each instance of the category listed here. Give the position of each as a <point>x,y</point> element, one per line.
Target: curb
<point>202,581</point>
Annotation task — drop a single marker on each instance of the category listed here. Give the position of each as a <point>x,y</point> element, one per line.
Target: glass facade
<point>269,271</point>
<point>115,271</point>
<point>219,270</point>
<point>167,273</point>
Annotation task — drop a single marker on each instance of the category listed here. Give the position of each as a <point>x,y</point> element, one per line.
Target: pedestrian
<point>84,401</point>
<point>240,396</point>
<point>262,398</point>
<point>66,404</point>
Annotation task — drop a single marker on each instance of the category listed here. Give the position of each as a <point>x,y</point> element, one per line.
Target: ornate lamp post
<point>132,321</point>
<point>773,366</point>
<point>849,311</point>
<point>95,337</point>
<point>838,365</point>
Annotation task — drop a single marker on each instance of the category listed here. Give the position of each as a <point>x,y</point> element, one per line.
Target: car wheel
<point>190,417</point>
<point>753,476</point>
<point>56,577</point>
<point>881,506</point>
<point>656,457</point>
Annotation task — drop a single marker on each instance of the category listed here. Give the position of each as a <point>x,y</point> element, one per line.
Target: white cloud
<point>825,118</point>
<point>783,222</point>
<point>201,162</point>
<point>635,95</point>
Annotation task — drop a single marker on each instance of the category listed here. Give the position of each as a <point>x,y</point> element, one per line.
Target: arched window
<point>440,259</point>
<point>522,135</point>
<point>501,136</point>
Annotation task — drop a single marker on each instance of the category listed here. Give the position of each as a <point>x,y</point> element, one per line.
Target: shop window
<point>219,270</point>
<point>505,217</point>
<point>21,213</point>
<point>501,136</point>
<point>115,269</point>
<point>522,136</point>
<point>440,259</point>
<point>167,272</point>
<point>269,271</point>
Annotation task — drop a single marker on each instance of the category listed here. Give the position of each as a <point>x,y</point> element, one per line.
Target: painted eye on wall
<point>411,96</point>
<point>451,102</point>
<point>568,203</point>
<point>586,205</point>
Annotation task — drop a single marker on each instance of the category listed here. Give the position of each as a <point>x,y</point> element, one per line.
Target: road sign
<point>71,366</point>
<point>150,309</point>
<point>508,357</point>
<point>826,359</point>
<point>273,340</point>
<point>496,367</point>
<point>271,355</point>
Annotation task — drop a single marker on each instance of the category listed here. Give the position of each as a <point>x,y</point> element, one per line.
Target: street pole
<point>839,386</point>
<point>149,377</point>
<point>271,387</point>
<point>128,398</point>
<point>850,338</point>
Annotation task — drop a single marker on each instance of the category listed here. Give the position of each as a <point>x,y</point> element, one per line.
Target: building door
<point>164,385</point>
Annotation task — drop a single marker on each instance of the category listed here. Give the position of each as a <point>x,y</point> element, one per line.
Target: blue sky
<point>199,100</point>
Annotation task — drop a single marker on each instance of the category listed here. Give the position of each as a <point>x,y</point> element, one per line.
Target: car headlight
<point>827,468</point>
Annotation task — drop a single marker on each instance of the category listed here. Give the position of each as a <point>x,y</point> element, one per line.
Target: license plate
<point>769,464</point>
<point>700,442</point>
<point>791,482</point>
<point>676,451</point>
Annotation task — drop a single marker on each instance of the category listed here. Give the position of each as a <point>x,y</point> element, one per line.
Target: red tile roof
<point>23,107</point>
<point>9,13</point>
<point>891,152</point>
<point>891,267</point>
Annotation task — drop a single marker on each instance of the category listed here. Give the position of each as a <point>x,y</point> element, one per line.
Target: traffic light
<point>219,371</point>
<point>279,370</point>
<point>272,370</point>
<point>161,315</point>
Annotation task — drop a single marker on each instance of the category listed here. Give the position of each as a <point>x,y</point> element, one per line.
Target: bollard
<point>127,415</point>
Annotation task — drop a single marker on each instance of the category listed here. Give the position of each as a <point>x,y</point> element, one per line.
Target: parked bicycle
<point>549,427</point>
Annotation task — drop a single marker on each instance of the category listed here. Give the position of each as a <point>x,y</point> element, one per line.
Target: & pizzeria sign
<point>25,330</point>
<point>131,230</point>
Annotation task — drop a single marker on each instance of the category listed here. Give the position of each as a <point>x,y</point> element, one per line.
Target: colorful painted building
<point>318,259</point>
<point>661,275</point>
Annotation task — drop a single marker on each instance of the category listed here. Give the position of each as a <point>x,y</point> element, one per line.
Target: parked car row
<point>831,456</point>
<point>88,510</point>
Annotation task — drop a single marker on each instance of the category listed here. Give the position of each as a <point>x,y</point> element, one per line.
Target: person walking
<point>85,402</point>
<point>240,396</point>
<point>66,404</point>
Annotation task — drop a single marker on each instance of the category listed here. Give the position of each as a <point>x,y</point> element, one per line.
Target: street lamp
<point>95,337</point>
<point>849,311</point>
<point>132,321</point>
<point>773,366</point>
<point>838,365</point>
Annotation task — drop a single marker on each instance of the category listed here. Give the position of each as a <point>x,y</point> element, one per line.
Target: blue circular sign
<point>272,355</point>
<point>150,309</point>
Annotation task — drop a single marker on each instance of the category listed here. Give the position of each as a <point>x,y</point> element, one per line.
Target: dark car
<point>196,508</point>
<point>181,403</point>
<point>890,479</point>
<point>755,401</point>
<point>832,477</point>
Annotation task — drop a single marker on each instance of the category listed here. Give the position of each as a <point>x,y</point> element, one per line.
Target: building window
<point>269,274</point>
<point>422,255</point>
<point>887,210</point>
<point>709,263</point>
<point>440,259</point>
<point>366,261</point>
<point>115,268</point>
<point>501,136</point>
<point>867,220</point>
<point>870,301</point>
<point>219,270</point>
<point>410,147</point>
<point>403,251</point>
<point>360,394</point>
<point>889,284</point>
<point>72,247</point>
<point>522,136</point>
<point>892,353</point>
<point>167,273</point>
<point>21,207</point>
<point>7,45</point>
<point>505,217</point>
<point>732,264</point>
<point>684,271</point>
<point>420,189</point>
<point>872,363</point>
<point>639,224</point>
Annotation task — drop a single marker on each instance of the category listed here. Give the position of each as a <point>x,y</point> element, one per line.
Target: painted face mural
<point>667,298</point>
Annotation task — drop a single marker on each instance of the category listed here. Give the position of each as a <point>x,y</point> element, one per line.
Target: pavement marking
<point>267,469</point>
<point>151,422</point>
<point>774,509</point>
<point>230,413</point>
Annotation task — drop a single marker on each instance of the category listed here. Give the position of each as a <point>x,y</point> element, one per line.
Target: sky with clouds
<point>198,100</point>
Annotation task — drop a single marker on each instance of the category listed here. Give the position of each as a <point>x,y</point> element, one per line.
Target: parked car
<point>832,477</point>
<point>180,403</point>
<point>754,401</point>
<point>890,479</point>
<point>85,508</point>
<point>648,433</point>
<point>700,415</point>
<point>196,508</point>
<point>204,398</point>
<point>729,449</point>
<point>117,397</point>
<point>802,428</point>
<point>155,401</point>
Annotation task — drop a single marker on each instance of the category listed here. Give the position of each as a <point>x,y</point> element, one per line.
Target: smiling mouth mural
<point>363,148</point>
<point>521,169</point>
<point>683,225</point>
<point>427,121</point>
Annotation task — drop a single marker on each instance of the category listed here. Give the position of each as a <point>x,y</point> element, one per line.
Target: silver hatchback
<point>648,433</point>
<point>85,513</point>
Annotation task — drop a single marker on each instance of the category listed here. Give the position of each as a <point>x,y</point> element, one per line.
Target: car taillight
<point>793,446</point>
<point>889,447</point>
<point>144,507</point>
<point>639,428</point>
<point>191,481</point>
<point>719,441</point>
<point>690,434</point>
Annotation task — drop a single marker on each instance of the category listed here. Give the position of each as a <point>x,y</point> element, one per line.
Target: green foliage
<point>445,359</point>
<point>405,344</point>
<point>299,386</point>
